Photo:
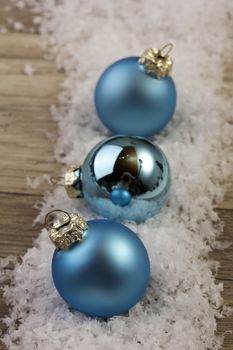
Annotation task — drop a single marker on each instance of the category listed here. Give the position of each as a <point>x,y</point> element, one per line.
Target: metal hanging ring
<point>47,224</point>
<point>55,180</point>
<point>168,46</point>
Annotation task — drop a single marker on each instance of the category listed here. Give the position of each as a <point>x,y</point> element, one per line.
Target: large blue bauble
<point>131,102</point>
<point>106,273</point>
<point>125,178</point>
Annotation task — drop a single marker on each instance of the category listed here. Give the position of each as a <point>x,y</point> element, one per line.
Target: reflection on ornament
<point>120,196</point>
<point>122,178</point>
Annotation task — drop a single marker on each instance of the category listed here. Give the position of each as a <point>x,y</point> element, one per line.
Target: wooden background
<point>26,150</point>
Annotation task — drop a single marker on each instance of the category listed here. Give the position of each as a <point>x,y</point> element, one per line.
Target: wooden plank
<point>26,148</point>
<point>16,223</point>
<point>11,11</point>
<point>14,45</point>
<point>17,66</point>
<point>225,257</point>
<point>225,275</point>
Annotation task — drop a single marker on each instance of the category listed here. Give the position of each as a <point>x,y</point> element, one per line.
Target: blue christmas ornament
<point>100,268</point>
<point>120,196</point>
<point>135,96</point>
<point>123,177</point>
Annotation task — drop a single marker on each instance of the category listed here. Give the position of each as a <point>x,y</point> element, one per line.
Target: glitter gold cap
<point>72,181</point>
<point>67,230</point>
<point>157,61</point>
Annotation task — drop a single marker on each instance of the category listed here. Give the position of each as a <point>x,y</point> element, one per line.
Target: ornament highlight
<point>102,273</point>
<point>135,95</point>
<point>123,177</point>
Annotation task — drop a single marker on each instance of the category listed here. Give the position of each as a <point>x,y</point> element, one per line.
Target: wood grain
<point>26,149</point>
<point>26,133</point>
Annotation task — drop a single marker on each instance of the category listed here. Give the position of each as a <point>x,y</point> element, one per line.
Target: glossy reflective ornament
<point>123,177</point>
<point>105,273</point>
<point>121,197</point>
<point>135,96</point>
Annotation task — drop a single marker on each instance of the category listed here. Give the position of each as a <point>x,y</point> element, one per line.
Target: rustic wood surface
<point>27,151</point>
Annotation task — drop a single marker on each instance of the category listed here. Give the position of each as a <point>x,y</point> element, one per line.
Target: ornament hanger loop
<point>67,230</point>
<point>57,180</point>
<point>46,220</point>
<point>166,49</point>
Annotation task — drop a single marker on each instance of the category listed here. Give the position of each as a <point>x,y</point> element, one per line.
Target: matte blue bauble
<point>124,178</point>
<point>106,273</point>
<point>130,101</point>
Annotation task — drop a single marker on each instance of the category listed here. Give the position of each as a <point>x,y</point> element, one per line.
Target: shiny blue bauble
<point>129,101</point>
<point>125,178</point>
<point>106,273</point>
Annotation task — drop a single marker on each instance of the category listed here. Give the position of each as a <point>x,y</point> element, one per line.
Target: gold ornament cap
<point>67,230</point>
<point>157,61</point>
<point>72,181</point>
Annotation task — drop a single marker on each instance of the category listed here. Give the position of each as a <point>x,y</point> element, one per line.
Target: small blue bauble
<point>123,178</point>
<point>106,273</point>
<point>130,101</point>
<point>120,196</point>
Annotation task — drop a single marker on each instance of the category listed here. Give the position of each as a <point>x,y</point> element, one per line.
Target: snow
<point>28,69</point>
